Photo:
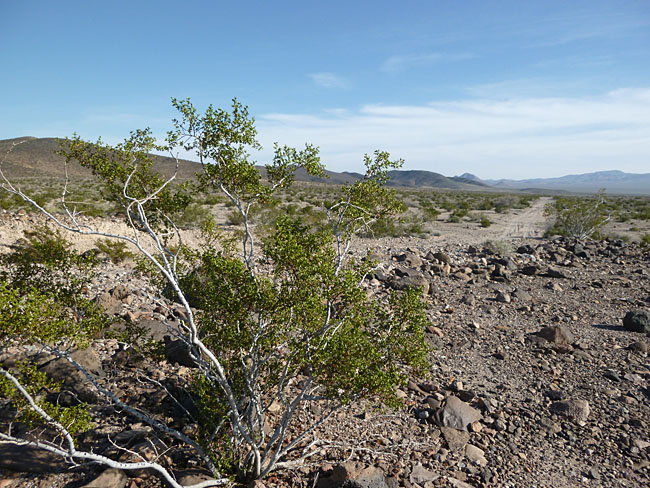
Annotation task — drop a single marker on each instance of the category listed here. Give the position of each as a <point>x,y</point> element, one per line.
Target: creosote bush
<point>578,217</point>
<point>116,251</point>
<point>272,325</point>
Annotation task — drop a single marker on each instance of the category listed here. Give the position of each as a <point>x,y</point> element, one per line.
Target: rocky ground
<point>535,380</point>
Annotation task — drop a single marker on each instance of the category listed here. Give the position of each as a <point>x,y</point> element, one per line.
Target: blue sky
<point>496,88</point>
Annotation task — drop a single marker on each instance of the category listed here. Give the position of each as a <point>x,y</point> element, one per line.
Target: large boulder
<point>637,321</point>
<point>76,386</point>
<point>29,459</point>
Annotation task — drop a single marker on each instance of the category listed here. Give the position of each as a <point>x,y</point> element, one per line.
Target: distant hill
<point>615,182</point>
<point>428,179</point>
<point>36,157</point>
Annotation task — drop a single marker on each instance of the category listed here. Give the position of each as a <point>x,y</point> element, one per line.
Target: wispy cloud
<point>558,30</point>
<point>520,138</point>
<point>407,61</point>
<point>329,80</point>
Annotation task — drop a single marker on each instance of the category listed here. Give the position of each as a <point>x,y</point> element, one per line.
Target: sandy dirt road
<point>531,222</point>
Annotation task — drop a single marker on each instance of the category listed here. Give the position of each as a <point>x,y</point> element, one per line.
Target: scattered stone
<point>456,483</point>
<point>421,475</point>
<point>610,374</point>
<point>555,395</point>
<point>456,439</point>
<point>639,346</point>
<point>442,257</point>
<point>576,410</point>
<point>553,286</point>
<point>556,335</point>
<point>475,454</point>
<point>579,251</point>
<point>530,270</point>
<point>351,475</point>
<point>522,296</point>
<point>120,292</point>
<point>75,383</point>
<point>409,278</point>
<point>412,260</point>
<point>503,297</point>
<point>109,303</point>
<point>469,300</point>
<point>554,273</point>
<point>526,249</point>
<point>594,474</point>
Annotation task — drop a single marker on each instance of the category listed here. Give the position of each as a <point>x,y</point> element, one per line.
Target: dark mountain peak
<point>468,176</point>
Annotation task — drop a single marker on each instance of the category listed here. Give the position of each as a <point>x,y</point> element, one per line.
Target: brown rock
<point>456,439</point>
<point>556,335</point>
<point>457,414</point>
<point>111,478</point>
<point>576,410</point>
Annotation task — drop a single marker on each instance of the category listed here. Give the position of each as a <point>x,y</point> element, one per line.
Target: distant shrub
<point>578,217</point>
<point>645,243</point>
<point>115,250</point>
<point>429,212</point>
<point>485,222</point>
<point>499,247</point>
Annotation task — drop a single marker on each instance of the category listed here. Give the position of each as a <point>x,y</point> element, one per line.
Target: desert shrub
<point>287,322</point>
<point>645,243</point>
<point>193,215</point>
<point>457,215</point>
<point>116,251</point>
<point>385,227</point>
<point>578,217</point>
<point>500,248</point>
<point>503,203</point>
<point>45,261</point>
<point>235,217</point>
<point>485,222</point>
<point>429,211</point>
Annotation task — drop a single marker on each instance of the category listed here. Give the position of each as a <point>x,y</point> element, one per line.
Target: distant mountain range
<point>36,157</point>
<point>614,182</point>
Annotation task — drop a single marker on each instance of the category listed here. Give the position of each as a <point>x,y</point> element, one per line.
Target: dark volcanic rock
<point>409,278</point>
<point>178,352</point>
<point>637,321</point>
<point>74,381</point>
<point>28,459</point>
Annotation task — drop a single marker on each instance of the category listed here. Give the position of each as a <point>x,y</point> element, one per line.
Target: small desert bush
<point>116,251</point>
<point>193,216</point>
<point>645,243</point>
<point>499,247</point>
